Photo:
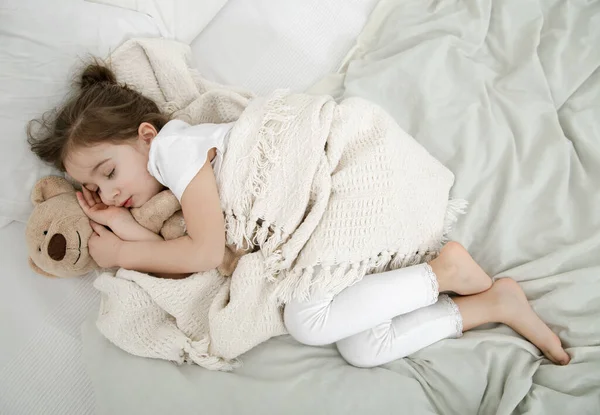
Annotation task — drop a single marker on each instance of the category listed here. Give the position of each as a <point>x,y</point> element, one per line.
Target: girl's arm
<point>130,230</point>
<point>202,249</point>
<point>120,221</point>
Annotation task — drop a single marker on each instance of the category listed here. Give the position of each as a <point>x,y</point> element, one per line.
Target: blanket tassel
<point>197,352</point>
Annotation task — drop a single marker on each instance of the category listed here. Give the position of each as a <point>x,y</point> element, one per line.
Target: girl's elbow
<point>210,258</point>
<point>217,255</point>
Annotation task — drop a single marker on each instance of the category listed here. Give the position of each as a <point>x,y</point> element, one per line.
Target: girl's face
<point>118,172</point>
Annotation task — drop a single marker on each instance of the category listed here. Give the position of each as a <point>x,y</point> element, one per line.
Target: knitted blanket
<point>318,193</point>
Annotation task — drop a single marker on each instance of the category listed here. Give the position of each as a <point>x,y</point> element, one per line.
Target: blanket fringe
<point>304,284</point>
<point>245,231</point>
<point>197,352</point>
<point>456,207</point>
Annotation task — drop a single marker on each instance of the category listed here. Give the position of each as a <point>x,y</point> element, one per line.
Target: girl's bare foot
<point>512,308</point>
<point>458,272</point>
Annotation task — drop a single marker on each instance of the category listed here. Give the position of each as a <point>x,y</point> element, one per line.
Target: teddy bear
<point>58,230</point>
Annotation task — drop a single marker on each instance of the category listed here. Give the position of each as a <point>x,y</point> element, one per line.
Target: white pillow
<point>41,42</point>
<point>262,45</point>
<point>181,20</point>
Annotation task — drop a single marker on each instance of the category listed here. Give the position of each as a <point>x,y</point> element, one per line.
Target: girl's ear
<point>147,132</point>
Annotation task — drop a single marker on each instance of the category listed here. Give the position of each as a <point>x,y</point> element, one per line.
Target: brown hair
<point>101,110</point>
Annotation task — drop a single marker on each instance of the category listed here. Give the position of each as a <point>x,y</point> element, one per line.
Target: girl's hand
<point>97,211</point>
<point>104,246</point>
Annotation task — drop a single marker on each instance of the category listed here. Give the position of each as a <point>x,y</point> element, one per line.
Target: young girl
<point>123,151</point>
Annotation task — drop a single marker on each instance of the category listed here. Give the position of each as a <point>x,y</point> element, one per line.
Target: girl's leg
<point>504,303</point>
<point>380,297</point>
<point>403,335</point>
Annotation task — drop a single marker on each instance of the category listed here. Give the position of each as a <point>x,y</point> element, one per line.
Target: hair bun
<point>95,74</point>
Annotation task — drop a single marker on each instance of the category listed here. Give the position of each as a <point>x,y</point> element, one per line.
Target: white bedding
<point>506,94</point>
<point>41,370</point>
<point>262,45</point>
<point>181,20</point>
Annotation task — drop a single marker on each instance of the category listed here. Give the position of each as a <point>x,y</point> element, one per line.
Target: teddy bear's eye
<point>45,232</point>
<point>40,248</point>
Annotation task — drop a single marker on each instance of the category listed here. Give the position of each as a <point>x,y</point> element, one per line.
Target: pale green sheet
<point>507,95</point>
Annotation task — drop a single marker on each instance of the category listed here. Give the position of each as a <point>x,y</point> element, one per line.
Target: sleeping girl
<point>123,150</point>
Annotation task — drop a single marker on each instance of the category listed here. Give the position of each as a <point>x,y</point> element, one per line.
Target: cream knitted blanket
<point>318,193</point>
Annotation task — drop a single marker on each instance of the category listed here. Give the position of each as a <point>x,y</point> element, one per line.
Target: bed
<point>505,93</point>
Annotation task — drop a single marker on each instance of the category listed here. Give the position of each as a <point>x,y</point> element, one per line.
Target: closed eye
<point>111,174</point>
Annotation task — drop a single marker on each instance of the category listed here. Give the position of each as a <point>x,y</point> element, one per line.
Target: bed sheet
<point>505,93</point>
<point>41,370</point>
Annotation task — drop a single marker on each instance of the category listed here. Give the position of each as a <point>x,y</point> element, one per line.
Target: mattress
<point>41,364</point>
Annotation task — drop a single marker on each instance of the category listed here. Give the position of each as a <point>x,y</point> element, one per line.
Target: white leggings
<point>381,318</point>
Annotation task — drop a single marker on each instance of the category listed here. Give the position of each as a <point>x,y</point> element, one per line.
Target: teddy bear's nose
<point>57,248</point>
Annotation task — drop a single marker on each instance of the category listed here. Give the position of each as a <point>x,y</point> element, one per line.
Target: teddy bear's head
<point>58,231</point>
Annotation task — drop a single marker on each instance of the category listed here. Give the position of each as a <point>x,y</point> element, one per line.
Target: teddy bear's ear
<point>48,187</point>
<point>39,270</point>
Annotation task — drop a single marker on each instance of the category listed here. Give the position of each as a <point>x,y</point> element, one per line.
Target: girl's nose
<point>110,198</point>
